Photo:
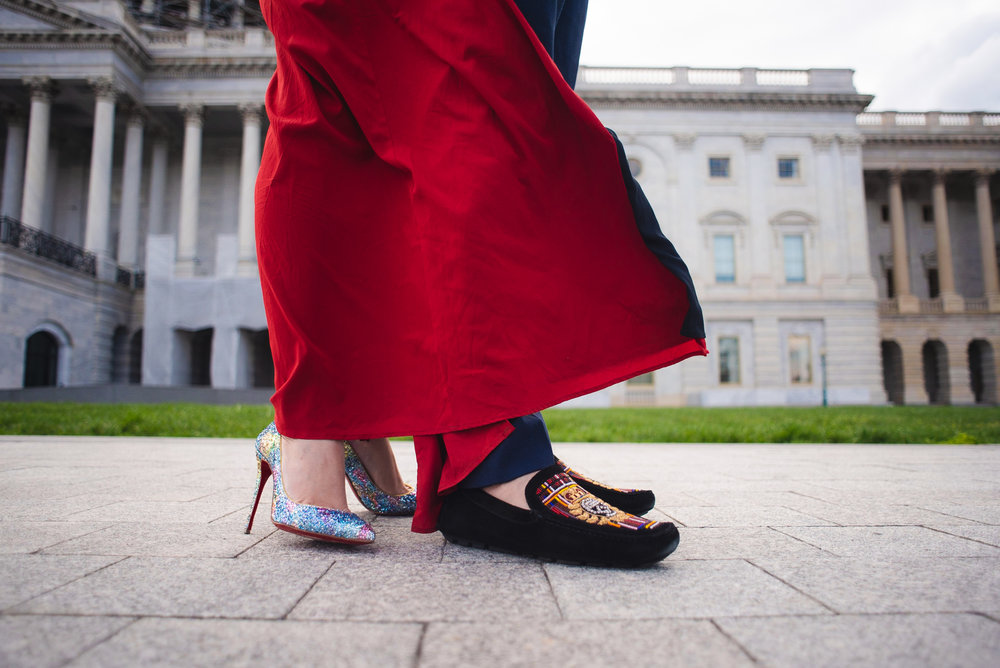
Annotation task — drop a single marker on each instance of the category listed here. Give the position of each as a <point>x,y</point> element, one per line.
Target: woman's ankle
<point>379,461</point>
<point>312,472</point>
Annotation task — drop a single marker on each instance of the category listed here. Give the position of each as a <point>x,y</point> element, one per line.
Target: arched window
<point>935,358</point>
<point>892,371</point>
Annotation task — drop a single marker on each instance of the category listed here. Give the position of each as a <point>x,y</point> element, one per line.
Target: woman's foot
<point>379,461</point>
<point>313,472</point>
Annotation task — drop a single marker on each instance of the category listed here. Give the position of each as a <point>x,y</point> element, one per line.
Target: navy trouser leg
<point>559,27</point>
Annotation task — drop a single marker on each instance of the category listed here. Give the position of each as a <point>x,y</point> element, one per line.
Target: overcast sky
<point>911,54</point>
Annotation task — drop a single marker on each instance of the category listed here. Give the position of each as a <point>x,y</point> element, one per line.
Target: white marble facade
<point>133,131</point>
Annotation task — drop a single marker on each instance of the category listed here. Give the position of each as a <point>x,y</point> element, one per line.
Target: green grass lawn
<point>840,424</point>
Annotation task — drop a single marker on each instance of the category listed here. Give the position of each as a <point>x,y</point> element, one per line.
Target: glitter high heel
<point>329,524</point>
<point>369,494</point>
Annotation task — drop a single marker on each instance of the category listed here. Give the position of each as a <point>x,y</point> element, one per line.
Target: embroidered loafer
<point>564,523</point>
<point>634,501</point>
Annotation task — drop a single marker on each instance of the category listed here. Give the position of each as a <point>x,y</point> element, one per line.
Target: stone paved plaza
<point>130,552</point>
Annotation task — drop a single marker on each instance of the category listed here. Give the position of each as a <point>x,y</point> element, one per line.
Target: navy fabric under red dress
<point>447,236</point>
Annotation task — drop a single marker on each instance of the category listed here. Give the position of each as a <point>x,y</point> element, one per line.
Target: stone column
<point>99,190</point>
<point>157,185</point>
<point>35,170</point>
<point>950,299</point>
<point>194,10</point>
<point>187,233</point>
<point>900,258</point>
<point>248,178</point>
<point>13,165</point>
<point>987,240</point>
<point>128,220</point>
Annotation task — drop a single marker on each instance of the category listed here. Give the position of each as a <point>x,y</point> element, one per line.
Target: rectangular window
<point>788,168</point>
<point>718,168</point>
<point>800,359</point>
<point>643,379</point>
<point>729,360</point>
<point>795,258</point>
<point>725,258</point>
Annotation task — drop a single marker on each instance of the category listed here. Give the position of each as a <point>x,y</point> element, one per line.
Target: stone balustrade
<point>942,121</point>
<point>744,79</point>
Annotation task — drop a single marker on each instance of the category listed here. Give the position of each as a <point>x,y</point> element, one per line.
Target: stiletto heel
<point>369,494</point>
<point>329,524</point>
<point>263,473</point>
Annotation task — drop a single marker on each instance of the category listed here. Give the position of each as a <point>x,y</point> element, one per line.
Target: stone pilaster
<point>13,163</point>
<point>102,147</point>
<point>35,167</point>
<point>128,221</point>
<point>950,299</point>
<point>157,184</point>
<point>900,257</point>
<point>761,271</point>
<point>187,233</point>
<point>249,165</point>
<point>987,240</point>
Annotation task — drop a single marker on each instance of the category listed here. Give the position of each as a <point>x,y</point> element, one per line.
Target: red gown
<point>444,237</point>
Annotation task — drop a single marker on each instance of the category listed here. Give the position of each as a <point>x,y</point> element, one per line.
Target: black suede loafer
<point>634,501</point>
<point>564,523</point>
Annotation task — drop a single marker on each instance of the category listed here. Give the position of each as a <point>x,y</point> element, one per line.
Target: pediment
<point>723,217</point>
<point>45,16</point>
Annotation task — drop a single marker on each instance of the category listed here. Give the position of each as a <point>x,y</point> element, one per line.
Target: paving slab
<point>211,643</point>
<point>192,587</point>
<point>887,542</point>
<point>40,641</point>
<point>988,534</point>
<point>675,589</point>
<point>740,543</point>
<point>461,591</point>
<point>159,540</point>
<point>20,537</point>
<point>876,641</point>
<point>873,585</point>
<point>669,642</point>
<point>742,516</point>
<point>23,576</point>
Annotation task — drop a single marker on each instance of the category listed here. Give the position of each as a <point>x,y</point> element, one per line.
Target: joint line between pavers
<point>955,535</point>
<point>306,592</point>
<point>103,640</point>
<point>66,540</point>
<point>88,574</point>
<point>418,655</point>
<point>552,590</point>
<point>959,517</point>
<point>804,541</point>
<point>789,584</point>
<point>733,640</point>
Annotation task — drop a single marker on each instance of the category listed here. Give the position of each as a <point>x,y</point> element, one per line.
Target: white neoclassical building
<point>841,256</point>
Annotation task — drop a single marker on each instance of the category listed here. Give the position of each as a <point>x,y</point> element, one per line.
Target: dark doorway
<point>982,372</point>
<point>892,372</point>
<point>41,360</point>
<point>935,359</point>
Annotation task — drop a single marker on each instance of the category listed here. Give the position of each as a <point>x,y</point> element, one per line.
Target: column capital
<point>135,113</point>
<point>685,140</point>
<point>983,175</point>
<point>823,142</point>
<point>754,141</point>
<point>104,88</point>
<point>851,143</point>
<point>194,113</point>
<point>250,111</point>
<point>42,88</point>
<point>13,114</point>
<point>939,174</point>
<point>896,174</point>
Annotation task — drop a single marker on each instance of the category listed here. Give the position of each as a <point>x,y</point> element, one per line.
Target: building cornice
<point>117,41</point>
<point>932,140</point>
<point>65,18</point>
<point>213,67</point>
<point>765,101</point>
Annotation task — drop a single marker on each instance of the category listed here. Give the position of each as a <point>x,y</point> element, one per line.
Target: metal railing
<point>28,240</point>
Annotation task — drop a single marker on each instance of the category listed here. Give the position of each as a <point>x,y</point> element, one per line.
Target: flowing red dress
<point>444,237</point>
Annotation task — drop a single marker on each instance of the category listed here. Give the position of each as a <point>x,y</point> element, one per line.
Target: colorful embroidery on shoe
<point>580,476</point>
<point>563,496</point>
